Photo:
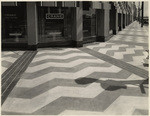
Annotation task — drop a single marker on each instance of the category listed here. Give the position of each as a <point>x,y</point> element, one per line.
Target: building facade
<point>31,25</point>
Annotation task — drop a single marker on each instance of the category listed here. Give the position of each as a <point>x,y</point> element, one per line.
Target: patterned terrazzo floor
<point>128,45</point>
<point>72,81</point>
<point>8,58</point>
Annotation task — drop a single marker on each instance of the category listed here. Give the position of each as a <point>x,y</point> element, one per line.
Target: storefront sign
<point>54,16</point>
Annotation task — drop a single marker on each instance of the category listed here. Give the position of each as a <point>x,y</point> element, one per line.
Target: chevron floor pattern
<point>74,82</point>
<point>67,81</point>
<point>128,45</point>
<point>8,58</point>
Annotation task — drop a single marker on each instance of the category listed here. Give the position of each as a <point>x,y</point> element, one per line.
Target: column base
<point>14,46</point>
<point>120,29</point>
<point>100,38</point>
<point>124,26</point>
<point>78,43</point>
<point>115,32</point>
<point>103,38</point>
<point>32,47</point>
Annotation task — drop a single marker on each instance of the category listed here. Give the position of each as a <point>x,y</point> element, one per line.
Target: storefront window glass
<point>89,23</point>
<point>54,24</point>
<point>14,24</point>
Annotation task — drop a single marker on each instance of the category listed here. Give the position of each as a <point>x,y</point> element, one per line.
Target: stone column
<point>124,20</point>
<point>77,27</point>
<point>32,25</point>
<point>120,21</point>
<point>142,20</point>
<point>127,19</point>
<point>115,21</point>
<point>130,19</point>
<point>103,22</point>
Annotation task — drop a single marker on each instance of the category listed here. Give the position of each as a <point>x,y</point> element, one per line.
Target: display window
<point>55,24</point>
<point>14,23</point>
<point>89,23</point>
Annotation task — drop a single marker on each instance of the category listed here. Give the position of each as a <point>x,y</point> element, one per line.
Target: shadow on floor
<point>145,65</point>
<point>112,85</point>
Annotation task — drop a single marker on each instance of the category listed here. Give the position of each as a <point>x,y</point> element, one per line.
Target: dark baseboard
<point>124,26</point>
<point>14,46</point>
<point>32,47</point>
<point>120,29</point>
<point>100,39</point>
<point>77,43</point>
<point>89,40</point>
<point>56,44</point>
<point>104,38</point>
<point>115,32</point>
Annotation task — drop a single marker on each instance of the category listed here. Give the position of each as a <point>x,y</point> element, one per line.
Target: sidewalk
<point>98,79</point>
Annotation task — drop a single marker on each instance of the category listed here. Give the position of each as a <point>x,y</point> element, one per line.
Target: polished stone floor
<point>107,78</point>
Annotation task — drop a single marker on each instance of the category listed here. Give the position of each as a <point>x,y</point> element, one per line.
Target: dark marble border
<point>12,75</point>
<point>133,69</point>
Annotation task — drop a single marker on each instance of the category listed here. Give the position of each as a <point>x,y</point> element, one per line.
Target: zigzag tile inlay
<point>52,89</point>
<point>81,103</point>
<point>141,112</point>
<point>18,92</point>
<point>129,57</point>
<point>99,103</point>
<point>80,112</point>
<point>64,65</point>
<point>120,110</point>
<point>132,54</point>
<point>11,77</point>
<point>6,53</point>
<point>111,52</point>
<point>10,55</point>
<point>62,50</point>
<point>98,47</point>
<point>29,106</point>
<point>58,57</point>
<point>119,63</point>
<point>145,45</point>
<point>36,82</point>
<point>116,47</point>
<point>133,35</point>
<point>113,47</point>
<point>8,58</point>
<point>64,75</point>
<point>123,74</point>
<point>6,63</point>
<point>131,81</point>
<point>3,69</point>
<point>58,54</point>
<point>107,45</point>
<point>61,61</point>
<point>125,105</point>
<point>129,54</point>
<point>82,68</point>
